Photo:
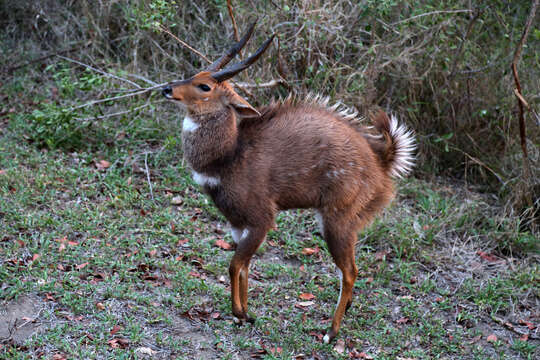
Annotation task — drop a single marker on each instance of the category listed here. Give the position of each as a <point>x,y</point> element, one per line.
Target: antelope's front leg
<point>239,270</point>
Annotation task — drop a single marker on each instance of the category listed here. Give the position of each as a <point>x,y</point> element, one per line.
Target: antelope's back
<point>311,155</point>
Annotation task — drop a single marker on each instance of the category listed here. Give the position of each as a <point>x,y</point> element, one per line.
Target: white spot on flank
<point>204,180</point>
<point>239,234</point>
<point>189,125</point>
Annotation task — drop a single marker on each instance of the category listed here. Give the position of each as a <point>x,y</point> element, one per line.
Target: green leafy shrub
<point>55,126</point>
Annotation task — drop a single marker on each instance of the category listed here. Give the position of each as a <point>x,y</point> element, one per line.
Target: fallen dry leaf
<point>381,255</point>
<point>340,346</point>
<point>145,351</point>
<point>489,257</point>
<point>118,343</point>
<point>475,339</point>
<point>177,200</point>
<point>317,335</point>
<point>81,266</point>
<point>304,304</point>
<point>102,164</point>
<point>276,350</point>
<point>310,251</point>
<point>528,324</point>
<point>403,320</point>
<point>354,354</point>
<point>491,338</point>
<point>524,337</point>
<point>115,329</point>
<point>223,244</point>
<point>307,296</point>
<point>215,315</point>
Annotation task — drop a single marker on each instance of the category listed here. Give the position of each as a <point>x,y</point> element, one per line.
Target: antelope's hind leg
<point>341,240</point>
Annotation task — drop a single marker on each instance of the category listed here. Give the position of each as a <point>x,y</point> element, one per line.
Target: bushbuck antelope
<point>289,154</point>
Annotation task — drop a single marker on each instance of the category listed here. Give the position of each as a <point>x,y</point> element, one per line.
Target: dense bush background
<point>443,67</point>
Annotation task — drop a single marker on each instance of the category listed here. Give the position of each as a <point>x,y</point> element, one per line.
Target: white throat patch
<point>204,180</point>
<point>189,125</point>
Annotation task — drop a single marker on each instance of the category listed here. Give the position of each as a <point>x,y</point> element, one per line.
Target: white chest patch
<point>204,180</point>
<point>189,125</point>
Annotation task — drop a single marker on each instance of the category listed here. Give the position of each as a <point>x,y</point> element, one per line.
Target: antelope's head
<point>209,91</point>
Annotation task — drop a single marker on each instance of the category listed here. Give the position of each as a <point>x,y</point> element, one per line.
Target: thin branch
<point>164,29</point>
<point>478,162</point>
<point>519,95</point>
<point>235,27</point>
<point>100,71</point>
<point>113,114</point>
<point>432,13</point>
<point>520,98</point>
<point>138,92</point>
<point>231,14</point>
<point>268,84</point>
<point>148,81</point>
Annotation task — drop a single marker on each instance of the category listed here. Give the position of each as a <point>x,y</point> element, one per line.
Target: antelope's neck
<point>209,141</point>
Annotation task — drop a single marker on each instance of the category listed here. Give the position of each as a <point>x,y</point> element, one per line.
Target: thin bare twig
<point>515,61</point>
<point>164,29</point>
<point>113,114</point>
<point>432,13</point>
<point>478,162</point>
<point>268,84</point>
<point>235,28</point>
<point>100,71</point>
<point>138,92</point>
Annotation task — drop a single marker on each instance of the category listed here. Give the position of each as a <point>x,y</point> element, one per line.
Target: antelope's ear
<point>243,108</point>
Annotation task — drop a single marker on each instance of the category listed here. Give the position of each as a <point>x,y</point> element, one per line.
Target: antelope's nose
<point>167,92</point>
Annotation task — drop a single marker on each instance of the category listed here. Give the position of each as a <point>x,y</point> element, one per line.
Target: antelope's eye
<point>204,87</point>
